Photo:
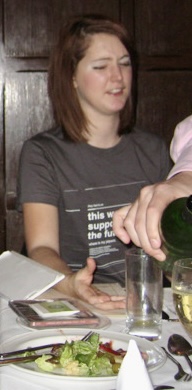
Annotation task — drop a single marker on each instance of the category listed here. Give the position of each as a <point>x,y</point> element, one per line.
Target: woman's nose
<point>116,73</point>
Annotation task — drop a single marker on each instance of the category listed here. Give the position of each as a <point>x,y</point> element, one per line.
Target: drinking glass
<point>182,292</point>
<point>143,278</point>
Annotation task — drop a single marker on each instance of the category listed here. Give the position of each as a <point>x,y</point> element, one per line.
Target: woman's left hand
<point>81,283</point>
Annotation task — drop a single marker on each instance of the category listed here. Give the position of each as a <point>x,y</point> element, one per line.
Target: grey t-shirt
<point>87,184</point>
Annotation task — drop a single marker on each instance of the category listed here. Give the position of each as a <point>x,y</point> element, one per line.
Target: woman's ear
<point>74,82</point>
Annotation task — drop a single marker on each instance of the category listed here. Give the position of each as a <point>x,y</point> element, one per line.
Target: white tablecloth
<point>12,378</point>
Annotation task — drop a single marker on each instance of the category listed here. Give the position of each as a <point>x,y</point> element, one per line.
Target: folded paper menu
<point>24,278</point>
<point>133,373</point>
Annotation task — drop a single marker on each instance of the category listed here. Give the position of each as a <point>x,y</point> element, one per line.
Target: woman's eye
<point>125,64</point>
<point>99,67</point>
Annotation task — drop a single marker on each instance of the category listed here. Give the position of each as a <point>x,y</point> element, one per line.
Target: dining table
<point>10,327</point>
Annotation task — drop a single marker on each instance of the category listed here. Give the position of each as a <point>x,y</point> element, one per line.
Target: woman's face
<point>103,76</point>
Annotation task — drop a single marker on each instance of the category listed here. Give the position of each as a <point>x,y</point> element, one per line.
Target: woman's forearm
<point>50,258</point>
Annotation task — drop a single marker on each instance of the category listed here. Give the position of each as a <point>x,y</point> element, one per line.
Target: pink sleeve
<point>181,147</point>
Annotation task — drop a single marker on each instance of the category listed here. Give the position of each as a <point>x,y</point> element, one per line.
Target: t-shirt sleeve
<point>36,176</point>
<point>181,147</point>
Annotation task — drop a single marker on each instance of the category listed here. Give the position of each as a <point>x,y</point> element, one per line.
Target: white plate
<point>156,356</point>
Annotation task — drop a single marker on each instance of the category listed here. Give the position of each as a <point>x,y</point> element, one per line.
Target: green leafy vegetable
<point>82,358</point>
<point>44,364</point>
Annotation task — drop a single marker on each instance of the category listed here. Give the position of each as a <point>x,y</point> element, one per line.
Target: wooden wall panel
<point>27,111</point>
<point>127,16</point>
<point>14,231</point>
<point>162,31</point>
<point>163,28</point>
<point>41,20</point>
<point>164,99</point>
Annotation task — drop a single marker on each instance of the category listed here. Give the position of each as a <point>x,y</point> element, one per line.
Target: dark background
<point>162,31</point>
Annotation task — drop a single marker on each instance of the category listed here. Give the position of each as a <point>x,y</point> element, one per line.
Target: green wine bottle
<point>176,230</point>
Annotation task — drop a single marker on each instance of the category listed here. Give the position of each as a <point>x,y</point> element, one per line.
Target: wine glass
<point>182,292</point>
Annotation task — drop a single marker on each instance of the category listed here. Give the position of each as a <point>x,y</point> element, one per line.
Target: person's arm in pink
<point>181,147</point>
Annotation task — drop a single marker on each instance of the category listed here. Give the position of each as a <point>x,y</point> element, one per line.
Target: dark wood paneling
<point>31,27</point>
<point>162,31</point>
<point>27,111</point>
<point>163,28</point>
<point>164,99</point>
<point>14,231</point>
<point>127,15</point>
<point>166,62</point>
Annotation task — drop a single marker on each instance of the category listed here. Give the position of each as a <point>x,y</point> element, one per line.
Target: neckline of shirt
<point>112,150</point>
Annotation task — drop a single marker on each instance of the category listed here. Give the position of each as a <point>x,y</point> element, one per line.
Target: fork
<point>181,375</point>
<point>19,359</point>
<point>86,337</point>
<point>8,357</point>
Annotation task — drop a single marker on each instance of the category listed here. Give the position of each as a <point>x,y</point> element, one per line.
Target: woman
<point>74,176</point>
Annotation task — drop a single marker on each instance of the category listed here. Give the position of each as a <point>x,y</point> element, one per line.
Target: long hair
<point>74,40</point>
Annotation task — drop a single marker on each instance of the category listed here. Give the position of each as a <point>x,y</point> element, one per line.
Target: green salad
<point>83,358</point>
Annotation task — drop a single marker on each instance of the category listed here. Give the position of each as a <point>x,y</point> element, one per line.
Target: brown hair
<point>74,39</point>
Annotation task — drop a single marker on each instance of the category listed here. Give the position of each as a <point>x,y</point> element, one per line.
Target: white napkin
<point>23,278</point>
<point>133,373</point>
